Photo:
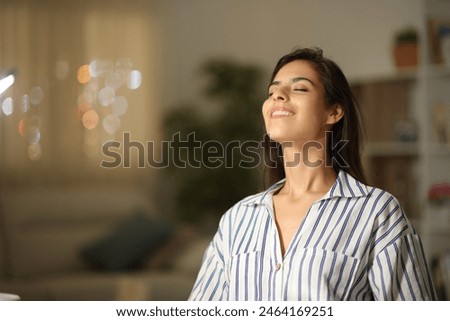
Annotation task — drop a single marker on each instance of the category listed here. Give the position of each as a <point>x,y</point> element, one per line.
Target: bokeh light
<point>115,80</point>
<point>134,79</point>
<point>85,101</point>
<point>36,95</point>
<point>84,107</point>
<point>8,106</point>
<point>124,64</point>
<point>106,96</point>
<point>111,123</point>
<point>26,115</point>
<point>21,127</point>
<point>34,152</point>
<point>104,88</point>
<point>100,68</point>
<point>120,106</point>
<point>25,103</point>
<point>83,74</point>
<point>90,119</point>
<point>92,88</point>
<point>85,97</point>
<point>33,135</point>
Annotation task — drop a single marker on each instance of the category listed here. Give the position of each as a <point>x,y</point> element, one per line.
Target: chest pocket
<point>244,277</point>
<point>315,274</point>
<point>310,274</point>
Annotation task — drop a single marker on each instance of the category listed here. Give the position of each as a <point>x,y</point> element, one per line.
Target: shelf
<point>431,71</point>
<point>386,149</point>
<point>404,74</point>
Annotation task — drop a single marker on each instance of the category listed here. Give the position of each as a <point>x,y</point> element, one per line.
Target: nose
<point>279,95</point>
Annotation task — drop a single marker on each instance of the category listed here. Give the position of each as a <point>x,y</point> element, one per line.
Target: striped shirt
<point>355,243</point>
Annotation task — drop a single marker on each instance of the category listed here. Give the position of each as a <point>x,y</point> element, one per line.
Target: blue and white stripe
<point>355,243</point>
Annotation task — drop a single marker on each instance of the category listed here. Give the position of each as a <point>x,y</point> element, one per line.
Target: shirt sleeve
<point>400,272</point>
<point>211,284</point>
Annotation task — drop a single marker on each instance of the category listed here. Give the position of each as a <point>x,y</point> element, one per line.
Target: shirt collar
<point>347,186</point>
<point>344,186</point>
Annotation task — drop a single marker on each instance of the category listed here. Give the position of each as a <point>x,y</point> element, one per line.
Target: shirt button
<point>278,267</point>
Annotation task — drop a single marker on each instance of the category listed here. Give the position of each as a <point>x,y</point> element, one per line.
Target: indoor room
<point>129,127</point>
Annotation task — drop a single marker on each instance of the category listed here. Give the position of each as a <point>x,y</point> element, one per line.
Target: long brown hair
<point>349,128</point>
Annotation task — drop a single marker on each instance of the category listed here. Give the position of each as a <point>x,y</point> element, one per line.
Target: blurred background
<point>95,97</point>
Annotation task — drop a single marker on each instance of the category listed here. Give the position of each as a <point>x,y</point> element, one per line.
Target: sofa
<point>98,242</point>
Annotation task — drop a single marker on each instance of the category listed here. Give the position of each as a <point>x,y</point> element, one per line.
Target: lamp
<point>6,81</point>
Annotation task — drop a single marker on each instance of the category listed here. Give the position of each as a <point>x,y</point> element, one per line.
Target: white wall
<point>357,34</point>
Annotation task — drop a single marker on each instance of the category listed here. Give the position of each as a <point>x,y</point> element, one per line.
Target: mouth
<point>279,112</point>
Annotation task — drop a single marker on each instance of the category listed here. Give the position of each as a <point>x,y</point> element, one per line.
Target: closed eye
<point>301,89</point>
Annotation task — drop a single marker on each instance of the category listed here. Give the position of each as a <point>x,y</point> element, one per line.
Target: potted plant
<point>406,49</point>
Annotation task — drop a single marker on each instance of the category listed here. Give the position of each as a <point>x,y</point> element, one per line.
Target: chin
<point>280,137</point>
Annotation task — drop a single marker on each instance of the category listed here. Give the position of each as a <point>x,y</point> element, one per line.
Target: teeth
<point>281,113</point>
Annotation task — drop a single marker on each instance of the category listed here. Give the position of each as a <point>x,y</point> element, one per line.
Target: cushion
<point>129,245</point>
<point>166,255</point>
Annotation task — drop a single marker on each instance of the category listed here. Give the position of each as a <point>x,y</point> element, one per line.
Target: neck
<point>306,171</point>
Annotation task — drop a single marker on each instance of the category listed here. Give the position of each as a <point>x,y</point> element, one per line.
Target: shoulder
<point>372,196</point>
<point>387,213</point>
<point>382,207</point>
<point>382,200</point>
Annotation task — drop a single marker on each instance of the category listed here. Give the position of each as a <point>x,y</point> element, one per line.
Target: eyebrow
<point>292,80</point>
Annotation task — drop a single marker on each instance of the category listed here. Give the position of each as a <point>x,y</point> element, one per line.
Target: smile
<point>281,113</point>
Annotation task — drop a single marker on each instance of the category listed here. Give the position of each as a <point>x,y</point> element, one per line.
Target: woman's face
<point>296,110</point>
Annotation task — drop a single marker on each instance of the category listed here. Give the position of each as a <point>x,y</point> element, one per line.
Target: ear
<point>335,115</point>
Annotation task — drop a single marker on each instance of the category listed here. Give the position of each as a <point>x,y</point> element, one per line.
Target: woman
<point>319,232</point>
